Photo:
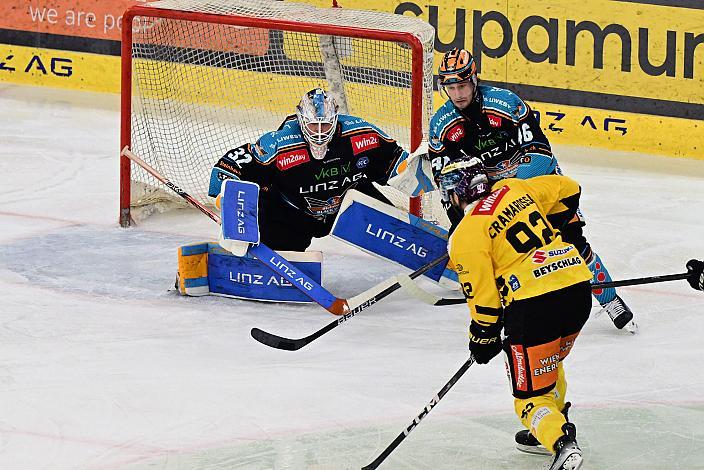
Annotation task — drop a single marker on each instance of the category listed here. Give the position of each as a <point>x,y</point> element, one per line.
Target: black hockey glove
<point>484,341</point>
<point>696,274</point>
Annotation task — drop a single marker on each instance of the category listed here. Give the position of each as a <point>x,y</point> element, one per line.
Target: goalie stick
<point>416,421</point>
<point>418,292</point>
<point>264,254</point>
<point>361,302</point>
<point>190,199</point>
<point>274,261</point>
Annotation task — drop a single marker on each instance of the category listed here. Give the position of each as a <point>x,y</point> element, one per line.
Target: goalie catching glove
<point>696,274</point>
<point>412,173</point>
<point>484,341</point>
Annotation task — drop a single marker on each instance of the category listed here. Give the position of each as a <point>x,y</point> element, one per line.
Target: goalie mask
<point>317,116</point>
<point>467,179</point>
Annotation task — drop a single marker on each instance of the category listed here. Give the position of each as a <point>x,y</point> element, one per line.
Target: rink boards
<point>618,75</point>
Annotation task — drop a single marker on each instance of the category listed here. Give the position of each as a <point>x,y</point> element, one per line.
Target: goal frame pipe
<point>417,62</point>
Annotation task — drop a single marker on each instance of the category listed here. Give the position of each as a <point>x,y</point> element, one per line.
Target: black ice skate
<point>621,315</point>
<point>568,455</point>
<point>527,442</point>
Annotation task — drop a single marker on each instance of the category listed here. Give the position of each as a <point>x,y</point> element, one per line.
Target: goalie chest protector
<point>390,233</point>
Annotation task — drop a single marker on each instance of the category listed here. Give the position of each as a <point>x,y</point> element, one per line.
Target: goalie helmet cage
<point>200,77</point>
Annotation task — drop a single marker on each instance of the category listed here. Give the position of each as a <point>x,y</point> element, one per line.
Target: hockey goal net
<point>200,77</point>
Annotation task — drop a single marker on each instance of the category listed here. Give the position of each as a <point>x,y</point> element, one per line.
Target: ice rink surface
<point>103,367</point>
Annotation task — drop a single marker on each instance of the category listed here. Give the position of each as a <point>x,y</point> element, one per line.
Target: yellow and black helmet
<point>457,66</point>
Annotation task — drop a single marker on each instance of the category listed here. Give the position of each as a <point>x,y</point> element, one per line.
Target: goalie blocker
<point>390,233</point>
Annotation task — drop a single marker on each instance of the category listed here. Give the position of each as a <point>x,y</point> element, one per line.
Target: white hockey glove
<point>413,174</point>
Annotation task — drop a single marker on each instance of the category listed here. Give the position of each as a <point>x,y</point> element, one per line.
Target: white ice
<point>103,367</point>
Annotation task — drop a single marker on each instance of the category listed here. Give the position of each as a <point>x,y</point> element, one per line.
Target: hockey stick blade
<point>278,342</point>
<point>411,287</point>
<point>291,344</point>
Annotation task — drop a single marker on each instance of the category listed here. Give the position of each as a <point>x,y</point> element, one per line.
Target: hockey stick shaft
<point>289,344</point>
<point>300,280</point>
<point>265,255</point>
<point>640,280</point>
<point>190,199</point>
<point>596,285</point>
<point>416,421</point>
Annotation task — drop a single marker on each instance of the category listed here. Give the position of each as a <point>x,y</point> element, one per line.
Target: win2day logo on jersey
<point>488,205</point>
<point>290,159</point>
<point>362,143</point>
<point>456,133</point>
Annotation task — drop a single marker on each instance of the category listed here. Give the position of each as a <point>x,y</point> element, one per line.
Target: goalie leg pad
<point>206,268</point>
<point>193,269</point>
<point>393,234</point>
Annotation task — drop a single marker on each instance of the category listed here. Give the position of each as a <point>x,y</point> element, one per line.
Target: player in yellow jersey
<point>518,275</point>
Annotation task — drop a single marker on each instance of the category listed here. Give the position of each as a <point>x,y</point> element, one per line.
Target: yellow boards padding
<point>641,133</point>
<point>625,75</point>
<point>59,69</point>
<point>622,48</point>
<point>610,61</point>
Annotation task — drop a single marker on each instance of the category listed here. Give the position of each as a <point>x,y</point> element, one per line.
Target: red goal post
<point>202,77</point>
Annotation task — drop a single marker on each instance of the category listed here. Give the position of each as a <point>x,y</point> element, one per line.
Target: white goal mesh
<point>201,77</point>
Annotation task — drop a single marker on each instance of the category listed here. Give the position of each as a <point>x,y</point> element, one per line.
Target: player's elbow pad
<point>217,177</point>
